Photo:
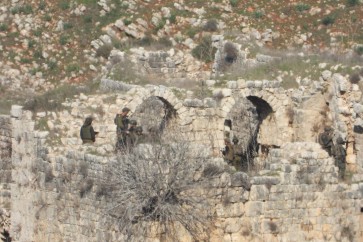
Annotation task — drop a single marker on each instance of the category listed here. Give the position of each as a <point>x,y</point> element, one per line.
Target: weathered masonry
<point>51,193</point>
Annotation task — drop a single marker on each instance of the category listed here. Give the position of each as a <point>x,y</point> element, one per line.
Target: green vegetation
<point>352,3</point>
<point>3,27</point>
<point>67,26</point>
<point>359,50</point>
<point>73,67</point>
<point>64,5</point>
<point>258,14</point>
<point>301,7</point>
<point>42,5</point>
<point>233,3</point>
<point>42,124</point>
<point>328,20</point>
<point>64,39</point>
<point>204,50</point>
<point>104,51</point>
<point>22,9</point>
<point>52,100</point>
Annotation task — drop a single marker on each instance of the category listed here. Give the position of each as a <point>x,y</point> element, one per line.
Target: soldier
<point>238,153</point>
<point>326,140</point>
<point>88,135</point>
<point>228,152</point>
<point>339,154</point>
<point>131,135</point>
<point>139,134</point>
<point>121,120</point>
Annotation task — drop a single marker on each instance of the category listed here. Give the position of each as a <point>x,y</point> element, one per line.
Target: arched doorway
<point>155,115</point>
<point>242,127</point>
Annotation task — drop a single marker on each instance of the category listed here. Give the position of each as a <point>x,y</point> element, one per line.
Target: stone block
<point>254,208</point>
<point>16,111</point>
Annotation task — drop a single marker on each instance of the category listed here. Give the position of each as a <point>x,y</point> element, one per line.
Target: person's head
<point>327,129</point>
<point>340,141</point>
<point>235,140</point>
<point>88,121</point>
<point>125,111</point>
<point>133,123</point>
<point>138,130</point>
<point>226,141</point>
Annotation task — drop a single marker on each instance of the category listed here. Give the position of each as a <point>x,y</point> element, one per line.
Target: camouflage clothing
<point>340,153</point>
<point>228,152</point>
<point>87,132</point>
<point>326,140</point>
<point>122,122</point>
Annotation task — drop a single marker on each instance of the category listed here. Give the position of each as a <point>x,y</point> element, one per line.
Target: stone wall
<point>5,170</point>
<point>298,197</point>
<point>56,183</point>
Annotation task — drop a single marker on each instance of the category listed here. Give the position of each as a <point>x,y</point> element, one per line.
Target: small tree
<point>155,191</point>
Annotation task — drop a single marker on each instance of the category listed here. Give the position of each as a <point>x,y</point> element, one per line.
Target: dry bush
<point>211,26</point>
<point>104,51</point>
<point>231,52</point>
<point>211,170</point>
<point>86,186</point>
<point>354,78</point>
<point>154,188</point>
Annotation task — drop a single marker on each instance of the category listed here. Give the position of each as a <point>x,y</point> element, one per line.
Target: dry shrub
<point>354,78</point>
<point>211,26</point>
<point>104,51</point>
<point>86,186</point>
<point>154,188</point>
<point>231,52</point>
<point>211,170</point>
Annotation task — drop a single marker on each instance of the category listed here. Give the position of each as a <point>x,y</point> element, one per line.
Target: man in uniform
<point>131,135</point>
<point>88,135</point>
<point>122,122</point>
<point>228,152</point>
<point>238,153</point>
<point>326,140</point>
<point>339,154</point>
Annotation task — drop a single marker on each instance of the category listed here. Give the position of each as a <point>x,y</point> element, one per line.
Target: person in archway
<point>238,154</point>
<point>87,133</point>
<point>326,139</point>
<point>339,153</point>
<point>228,152</point>
<point>122,122</point>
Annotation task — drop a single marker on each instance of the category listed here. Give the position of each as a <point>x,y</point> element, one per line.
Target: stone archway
<point>155,114</point>
<point>154,107</point>
<point>243,123</point>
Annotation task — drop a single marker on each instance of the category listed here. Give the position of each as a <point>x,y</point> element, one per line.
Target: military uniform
<point>340,153</point>
<point>228,152</point>
<point>132,135</point>
<point>326,140</point>
<point>238,154</point>
<point>87,133</point>
<point>122,123</point>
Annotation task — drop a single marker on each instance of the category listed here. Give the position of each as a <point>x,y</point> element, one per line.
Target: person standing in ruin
<point>87,133</point>
<point>339,153</point>
<point>228,152</point>
<point>238,153</point>
<point>326,139</point>
<point>131,135</point>
<point>122,122</point>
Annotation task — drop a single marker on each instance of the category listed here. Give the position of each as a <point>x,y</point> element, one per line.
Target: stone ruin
<point>295,195</point>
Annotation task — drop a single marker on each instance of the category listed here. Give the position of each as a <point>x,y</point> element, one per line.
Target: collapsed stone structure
<point>51,192</point>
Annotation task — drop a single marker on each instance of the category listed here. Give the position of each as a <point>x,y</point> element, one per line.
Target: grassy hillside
<point>47,43</point>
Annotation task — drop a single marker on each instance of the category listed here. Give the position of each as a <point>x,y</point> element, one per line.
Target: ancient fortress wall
<point>5,169</point>
<point>297,196</point>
